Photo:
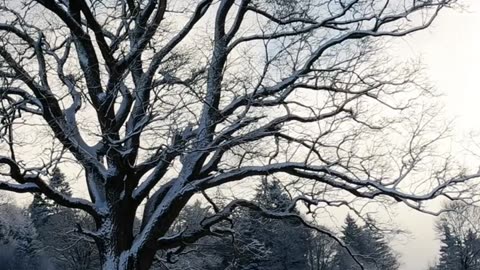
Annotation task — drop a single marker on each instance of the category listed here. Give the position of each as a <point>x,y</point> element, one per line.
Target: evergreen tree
<point>449,251</point>
<point>210,252</point>
<point>41,207</point>
<point>368,245</point>
<point>352,237</point>
<point>457,252</point>
<point>19,248</point>
<point>470,258</point>
<point>39,210</point>
<point>277,244</point>
<point>271,196</point>
<point>58,182</point>
<point>460,243</point>
<point>257,243</point>
<point>380,252</point>
<point>55,229</point>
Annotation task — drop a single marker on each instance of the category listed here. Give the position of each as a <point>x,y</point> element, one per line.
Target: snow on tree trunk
<point>126,260</point>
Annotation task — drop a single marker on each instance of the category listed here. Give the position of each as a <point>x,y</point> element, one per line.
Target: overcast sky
<point>450,50</point>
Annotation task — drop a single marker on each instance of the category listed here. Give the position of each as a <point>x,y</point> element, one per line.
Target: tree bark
<point>126,260</point>
<point>116,244</point>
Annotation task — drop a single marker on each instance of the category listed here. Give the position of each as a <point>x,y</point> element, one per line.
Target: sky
<point>450,52</point>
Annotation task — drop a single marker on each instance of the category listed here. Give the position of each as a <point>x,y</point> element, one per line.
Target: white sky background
<point>450,51</point>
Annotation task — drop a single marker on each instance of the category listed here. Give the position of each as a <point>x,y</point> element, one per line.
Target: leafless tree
<point>461,218</point>
<point>159,100</point>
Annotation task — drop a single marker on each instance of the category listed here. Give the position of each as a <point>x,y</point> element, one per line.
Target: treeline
<point>45,236</point>
<point>257,242</point>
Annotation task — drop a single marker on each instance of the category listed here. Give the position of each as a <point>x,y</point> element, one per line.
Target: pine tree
<point>210,252</point>
<point>352,237</point>
<point>450,250</point>
<point>368,245</point>
<point>59,183</point>
<point>41,208</point>
<point>66,249</point>
<point>281,243</point>
<point>257,243</point>
<point>271,196</point>
<point>19,247</point>
<point>471,251</point>
<point>382,256</point>
<point>460,243</point>
<point>28,247</point>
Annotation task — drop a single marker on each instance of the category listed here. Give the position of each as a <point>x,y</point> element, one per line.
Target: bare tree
<point>158,100</point>
<point>458,228</point>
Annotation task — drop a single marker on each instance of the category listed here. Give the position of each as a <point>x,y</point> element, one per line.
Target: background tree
<point>19,247</point>
<point>258,242</point>
<point>368,244</point>
<point>42,207</point>
<point>450,250</point>
<point>352,237</point>
<point>458,229</point>
<point>55,227</point>
<point>156,101</point>
<point>321,251</point>
<point>254,241</point>
<point>279,244</point>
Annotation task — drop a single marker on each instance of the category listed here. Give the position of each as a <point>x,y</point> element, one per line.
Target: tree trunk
<point>115,245</point>
<point>126,262</point>
<point>114,258</point>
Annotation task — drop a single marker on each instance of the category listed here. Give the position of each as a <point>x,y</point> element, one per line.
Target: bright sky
<point>450,50</point>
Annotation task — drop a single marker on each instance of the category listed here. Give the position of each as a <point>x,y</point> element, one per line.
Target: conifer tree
<point>257,242</point>
<point>67,249</point>
<point>449,251</point>
<point>59,183</point>
<point>41,207</point>
<point>368,245</point>
<point>381,254</point>
<point>39,210</point>
<point>352,237</point>
<point>470,258</point>
<point>458,252</point>
<point>283,242</point>
<point>19,248</point>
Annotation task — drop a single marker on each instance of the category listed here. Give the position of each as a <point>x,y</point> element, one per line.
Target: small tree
<point>42,207</point>
<point>352,237</point>
<point>39,210</point>
<point>59,182</point>
<point>471,251</point>
<point>211,252</point>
